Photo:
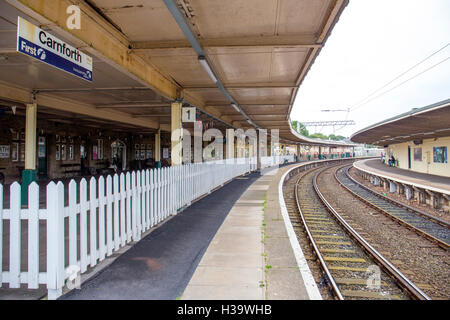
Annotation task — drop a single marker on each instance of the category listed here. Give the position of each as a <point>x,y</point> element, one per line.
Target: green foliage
<point>300,128</point>
<point>335,138</point>
<point>318,136</point>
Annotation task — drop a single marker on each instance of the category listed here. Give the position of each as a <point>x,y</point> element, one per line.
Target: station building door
<point>42,156</point>
<point>119,154</point>
<point>409,157</point>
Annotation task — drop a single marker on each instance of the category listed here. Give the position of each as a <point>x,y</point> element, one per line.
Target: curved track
<point>353,268</point>
<point>432,228</point>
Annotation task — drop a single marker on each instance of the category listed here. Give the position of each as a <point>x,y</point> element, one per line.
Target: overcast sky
<point>374,42</point>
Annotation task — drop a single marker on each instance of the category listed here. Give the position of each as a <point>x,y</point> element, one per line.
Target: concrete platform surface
<point>422,180</point>
<point>250,257</point>
<point>161,265</point>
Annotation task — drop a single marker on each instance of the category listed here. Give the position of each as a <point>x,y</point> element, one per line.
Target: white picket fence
<point>111,213</point>
<point>276,160</point>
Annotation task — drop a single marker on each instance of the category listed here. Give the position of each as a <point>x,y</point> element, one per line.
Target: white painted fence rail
<point>276,160</point>
<point>98,219</point>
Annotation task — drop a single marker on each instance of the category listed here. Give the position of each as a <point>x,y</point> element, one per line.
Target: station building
<point>419,139</point>
<point>415,162</point>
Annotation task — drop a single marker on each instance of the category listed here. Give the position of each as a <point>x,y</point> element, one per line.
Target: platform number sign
<point>189,114</point>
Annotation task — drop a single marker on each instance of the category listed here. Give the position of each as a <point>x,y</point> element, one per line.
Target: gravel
<point>401,198</point>
<point>421,261</point>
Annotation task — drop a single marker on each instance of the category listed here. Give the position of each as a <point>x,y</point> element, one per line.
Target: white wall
<point>426,164</point>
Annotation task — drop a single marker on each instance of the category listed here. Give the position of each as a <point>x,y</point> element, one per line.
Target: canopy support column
<point>176,135</point>
<point>158,149</point>
<point>29,175</point>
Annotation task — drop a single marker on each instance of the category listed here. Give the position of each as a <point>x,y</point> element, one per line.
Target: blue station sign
<point>41,45</point>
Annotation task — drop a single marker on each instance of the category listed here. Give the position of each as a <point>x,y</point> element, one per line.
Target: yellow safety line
<point>336,251</point>
<point>343,259</point>
<point>329,237</point>
<point>334,243</point>
<point>368,294</point>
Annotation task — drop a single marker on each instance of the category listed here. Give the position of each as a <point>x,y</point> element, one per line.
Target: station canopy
<point>420,123</point>
<point>259,51</point>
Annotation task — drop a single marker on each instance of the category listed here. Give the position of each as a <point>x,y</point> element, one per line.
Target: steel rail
<point>333,284</point>
<point>403,281</point>
<point>430,237</point>
<point>398,203</point>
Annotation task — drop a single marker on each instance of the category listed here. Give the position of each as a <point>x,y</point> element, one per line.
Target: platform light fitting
<point>207,68</point>
<point>235,107</point>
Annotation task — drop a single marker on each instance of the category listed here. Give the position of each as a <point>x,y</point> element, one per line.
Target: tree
<point>335,138</point>
<point>303,130</point>
<point>300,128</point>
<point>319,136</point>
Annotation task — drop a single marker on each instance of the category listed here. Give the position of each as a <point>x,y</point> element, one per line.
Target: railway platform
<point>426,188</point>
<point>231,244</point>
<point>250,257</point>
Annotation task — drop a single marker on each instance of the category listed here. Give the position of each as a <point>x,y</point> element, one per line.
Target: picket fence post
<point>83,226</point>
<point>93,215</point>
<point>15,244</point>
<point>55,240</point>
<point>73,243</point>
<point>123,195</point>
<point>128,192</point>
<point>116,199</point>
<point>33,236</point>
<point>101,218</point>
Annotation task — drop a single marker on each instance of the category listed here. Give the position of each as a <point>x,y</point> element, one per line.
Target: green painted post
<point>28,176</point>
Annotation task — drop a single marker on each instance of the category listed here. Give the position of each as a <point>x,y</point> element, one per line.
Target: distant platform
<point>430,182</point>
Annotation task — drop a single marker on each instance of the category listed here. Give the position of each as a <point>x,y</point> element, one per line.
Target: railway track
<point>352,267</point>
<point>432,228</point>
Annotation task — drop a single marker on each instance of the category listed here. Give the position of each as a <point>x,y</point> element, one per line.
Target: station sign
<point>4,152</point>
<point>189,114</point>
<point>43,46</point>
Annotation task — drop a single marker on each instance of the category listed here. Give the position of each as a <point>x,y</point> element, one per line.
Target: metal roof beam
<point>298,41</point>
<point>176,14</point>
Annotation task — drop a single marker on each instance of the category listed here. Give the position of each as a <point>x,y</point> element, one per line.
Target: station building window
<point>440,155</point>
<point>417,154</point>
<point>63,152</point>
<point>71,152</point>
<point>58,152</point>
<point>15,152</point>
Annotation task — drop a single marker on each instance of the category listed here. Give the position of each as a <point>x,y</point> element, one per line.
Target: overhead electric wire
<point>364,101</point>
<point>402,83</point>
<point>357,105</point>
